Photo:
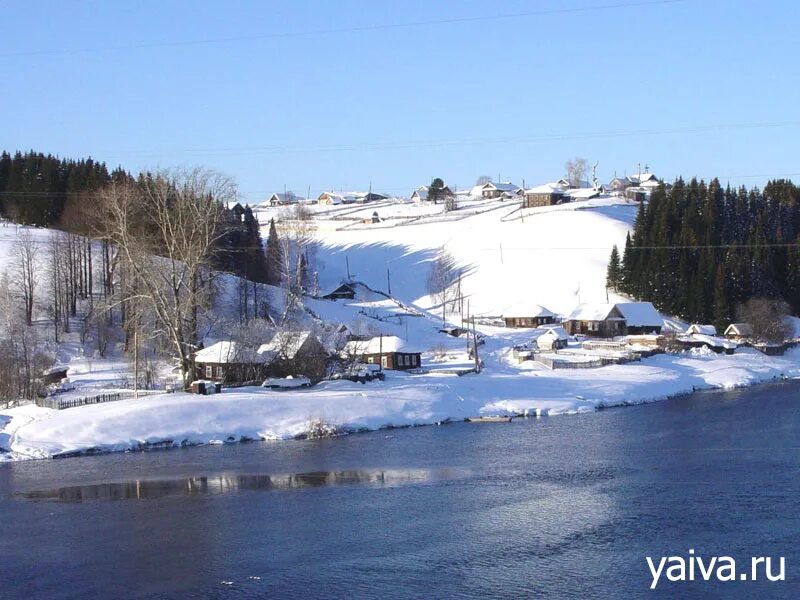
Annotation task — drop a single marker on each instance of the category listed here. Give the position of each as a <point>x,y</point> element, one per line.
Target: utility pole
<point>347,261</point>
<point>380,351</point>
<point>135,363</point>
<point>475,346</point>
<point>389,281</point>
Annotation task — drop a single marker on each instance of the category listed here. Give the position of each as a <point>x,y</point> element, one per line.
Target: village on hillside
<point>493,302</point>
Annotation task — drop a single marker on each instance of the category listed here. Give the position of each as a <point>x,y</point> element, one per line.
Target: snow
<point>285,344</point>
<point>640,314</point>
<point>741,329</point>
<point>591,312</point>
<point>258,413</point>
<point>526,309</point>
<point>225,352</point>
<point>377,345</point>
<point>702,329</point>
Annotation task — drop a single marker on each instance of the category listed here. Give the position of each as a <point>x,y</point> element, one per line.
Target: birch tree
<point>166,227</point>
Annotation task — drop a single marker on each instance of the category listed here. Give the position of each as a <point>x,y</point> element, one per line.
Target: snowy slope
<point>555,256</point>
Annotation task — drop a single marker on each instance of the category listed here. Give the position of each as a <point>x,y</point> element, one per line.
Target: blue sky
<point>698,87</point>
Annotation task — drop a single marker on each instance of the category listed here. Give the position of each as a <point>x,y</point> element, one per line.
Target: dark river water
<point>561,507</point>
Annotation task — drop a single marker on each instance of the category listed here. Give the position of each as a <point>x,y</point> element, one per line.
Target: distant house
<point>637,194</point>
<point>739,331</point>
<point>583,193</point>
<point>641,318</point>
<point>283,199</point>
<point>547,194</point>
<point>697,328</point>
<point>389,351</point>
<point>596,320</point>
<point>619,184</point>
<point>421,193</point>
<point>331,199</point>
<point>527,314</point>
<point>345,291</point>
<point>645,180</point>
<point>496,190</point>
<point>554,338</point>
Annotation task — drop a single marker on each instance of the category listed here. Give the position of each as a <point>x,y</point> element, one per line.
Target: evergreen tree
<point>614,272</point>
<point>274,256</point>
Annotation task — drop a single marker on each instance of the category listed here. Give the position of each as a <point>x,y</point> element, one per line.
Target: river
<point>561,507</point>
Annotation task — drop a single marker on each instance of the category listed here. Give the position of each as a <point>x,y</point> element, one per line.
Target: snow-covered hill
<point>553,256</point>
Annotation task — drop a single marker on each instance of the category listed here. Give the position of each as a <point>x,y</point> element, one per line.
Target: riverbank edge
<point>344,429</point>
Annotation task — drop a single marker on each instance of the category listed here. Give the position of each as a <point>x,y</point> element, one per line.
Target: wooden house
<point>554,338</point>
<point>346,291</point>
<point>596,320</point>
<point>331,199</point>
<point>548,194</point>
<point>421,193</point>
<point>295,353</point>
<point>497,190</point>
<point>697,328</point>
<point>527,314</point>
<point>641,318</point>
<point>389,351</point>
<point>283,199</point>
<point>739,331</point>
<point>230,361</point>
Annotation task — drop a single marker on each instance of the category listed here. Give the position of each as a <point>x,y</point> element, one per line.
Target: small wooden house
<point>548,194</point>
<point>739,331</point>
<point>283,199</point>
<point>346,291</point>
<point>421,193</point>
<point>295,353</point>
<point>701,329</point>
<point>527,314</point>
<point>499,189</point>
<point>331,199</point>
<point>230,361</point>
<point>596,320</point>
<point>389,351</point>
<point>554,338</point>
<point>641,318</point>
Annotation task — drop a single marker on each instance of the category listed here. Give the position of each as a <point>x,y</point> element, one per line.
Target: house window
<point>384,362</point>
<point>209,371</point>
<point>219,372</point>
<point>371,359</point>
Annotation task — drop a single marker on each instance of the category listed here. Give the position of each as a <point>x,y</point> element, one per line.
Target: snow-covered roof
<point>642,178</point>
<point>591,312</point>
<point>376,345</point>
<point>714,341</point>
<point>526,309</point>
<point>503,186</point>
<point>554,333</point>
<point>702,329</point>
<point>547,188</point>
<point>229,352</point>
<point>333,197</point>
<point>739,329</point>
<point>284,344</point>
<point>285,198</point>
<point>583,193</point>
<point>640,314</point>
<point>421,192</point>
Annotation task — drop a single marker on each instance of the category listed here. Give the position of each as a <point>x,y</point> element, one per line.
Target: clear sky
<point>338,94</point>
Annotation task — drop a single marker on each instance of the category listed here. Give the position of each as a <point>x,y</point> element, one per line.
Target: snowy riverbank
<point>179,419</point>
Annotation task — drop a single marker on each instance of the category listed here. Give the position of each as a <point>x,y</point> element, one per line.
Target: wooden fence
<point>63,403</point>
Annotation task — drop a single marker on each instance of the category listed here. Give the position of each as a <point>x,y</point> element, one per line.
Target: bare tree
<point>576,170</point>
<point>166,228</point>
<point>444,280</point>
<point>483,179</point>
<point>25,272</point>
<point>767,317</point>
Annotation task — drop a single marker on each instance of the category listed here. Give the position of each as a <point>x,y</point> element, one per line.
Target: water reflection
<point>225,484</point>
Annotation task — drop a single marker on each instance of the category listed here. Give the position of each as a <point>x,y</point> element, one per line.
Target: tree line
<point>700,251</point>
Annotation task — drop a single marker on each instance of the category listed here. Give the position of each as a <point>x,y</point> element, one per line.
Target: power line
<point>342,30</point>
<point>417,144</point>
